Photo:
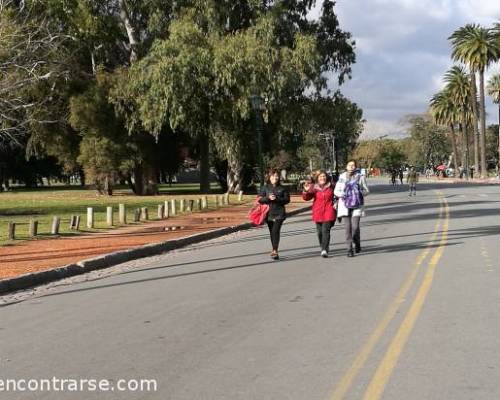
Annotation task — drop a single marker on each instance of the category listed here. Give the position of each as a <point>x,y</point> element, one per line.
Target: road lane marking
<point>388,363</point>
<point>348,378</point>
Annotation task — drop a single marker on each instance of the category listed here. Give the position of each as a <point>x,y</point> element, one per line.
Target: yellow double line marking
<point>384,370</point>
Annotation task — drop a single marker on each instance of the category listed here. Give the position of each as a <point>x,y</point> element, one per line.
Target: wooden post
<point>109,216</point>
<point>137,215</point>
<point>122,214</point>
<point>12,230</point>
<point>77,223</point>
<point>240,195</point>
<point>221,200</point>
<point>166,209</point>
<point>90,217</point>
<point>56,222</point>
<point>198,204</point>
<point>226,199</point>
<point>190,206</point>
<point>161,211</point>
<point>216,201</point>
<point>72,221</point>
<point>33,228</point>
<point>182,204</point>
<point>204,202</point>
<point>144,213</point>
<point>173,210</point>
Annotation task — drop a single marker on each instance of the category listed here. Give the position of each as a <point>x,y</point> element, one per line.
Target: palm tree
<point>494,91</point>
<point>477,47</point>
<point>445,112</point>
<point>458,87</point>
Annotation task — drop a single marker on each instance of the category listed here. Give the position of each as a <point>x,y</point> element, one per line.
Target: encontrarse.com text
<point>78,385</point>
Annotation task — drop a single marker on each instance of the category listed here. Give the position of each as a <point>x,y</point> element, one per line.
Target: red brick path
<point>43,254</point>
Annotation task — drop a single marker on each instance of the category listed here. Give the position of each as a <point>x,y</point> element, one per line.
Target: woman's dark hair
<point>354,161</point>
<point>271,172</point>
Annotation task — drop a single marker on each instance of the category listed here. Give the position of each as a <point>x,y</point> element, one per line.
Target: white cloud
<point>403,52</point>
<point>480,11</point>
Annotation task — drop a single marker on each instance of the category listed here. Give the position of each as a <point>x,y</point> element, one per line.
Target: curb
<point>108,260</point>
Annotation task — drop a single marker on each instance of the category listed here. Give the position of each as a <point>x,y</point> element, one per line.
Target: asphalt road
<point>415,316</point>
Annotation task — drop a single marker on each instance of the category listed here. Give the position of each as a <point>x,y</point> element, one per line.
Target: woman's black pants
<point>323,230</point>
<point>274,231</point>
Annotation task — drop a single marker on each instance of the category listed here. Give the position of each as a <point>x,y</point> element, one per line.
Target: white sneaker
<point>324,254</point>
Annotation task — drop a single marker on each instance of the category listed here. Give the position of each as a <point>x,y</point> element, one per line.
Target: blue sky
<point>402,53</point>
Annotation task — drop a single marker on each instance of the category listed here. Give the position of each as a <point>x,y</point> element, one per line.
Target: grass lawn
<point>43,204</point>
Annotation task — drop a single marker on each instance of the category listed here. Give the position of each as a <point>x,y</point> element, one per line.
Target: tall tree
<point>477,47</point>
<point>429,146</point>
<point>31,58</point>
<point>445,112</point>
<point>494,91</point>
<point>459,89</point>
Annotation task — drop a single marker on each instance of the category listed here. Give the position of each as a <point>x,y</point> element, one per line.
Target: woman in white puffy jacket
<point>351,190</point>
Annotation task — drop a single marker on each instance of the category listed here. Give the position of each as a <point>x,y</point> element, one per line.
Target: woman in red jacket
<point>323,211</point>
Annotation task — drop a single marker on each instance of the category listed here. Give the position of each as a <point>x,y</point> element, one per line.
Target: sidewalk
<point>45,254</point>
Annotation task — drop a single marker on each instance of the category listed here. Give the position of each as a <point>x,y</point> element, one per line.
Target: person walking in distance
<point>401,176</point>
<point>412,180</point>
<point>351,190</point>
<point>320,190</point>
<point>276,196</point>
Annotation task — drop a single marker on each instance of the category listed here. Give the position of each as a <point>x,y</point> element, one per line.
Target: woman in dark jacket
<point>323,211</point>
<point>277,196</point>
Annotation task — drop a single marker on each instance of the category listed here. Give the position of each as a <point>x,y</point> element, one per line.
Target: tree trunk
<point>82,177</point>
<point>454,145</point>
<point>482,126</point>
<point>234,175</point>
<point>498,133</point>
<point>139,180</point>
<point>204,163</point>
<point>475,121</point>
<point>465,138</point>
<point>131,34</point>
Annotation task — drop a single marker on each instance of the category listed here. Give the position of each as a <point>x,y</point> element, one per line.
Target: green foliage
<point>141,77</point>
<point>475,46</point>
<point>427,145</point>
<point>494,88</point>
<point>392,155</point>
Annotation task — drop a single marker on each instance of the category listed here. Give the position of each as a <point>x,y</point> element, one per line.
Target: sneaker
<point>357,248</point>
<point>350,253</point>
<point>324,254</point>
<point>274,255</point>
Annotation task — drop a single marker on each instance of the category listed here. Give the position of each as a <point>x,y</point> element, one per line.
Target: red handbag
<point>258,213</point>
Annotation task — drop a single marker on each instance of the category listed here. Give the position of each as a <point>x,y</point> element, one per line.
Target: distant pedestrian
<point>276,196</point>
<point>401,176</point>
<point>412,180</point>
<point>393,178</point>
<point>320,190</point>
<point>351,190</point>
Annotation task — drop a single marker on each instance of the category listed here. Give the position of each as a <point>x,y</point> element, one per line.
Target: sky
<point>402,54</point>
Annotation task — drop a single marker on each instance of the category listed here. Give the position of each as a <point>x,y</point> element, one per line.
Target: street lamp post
<point>258,107</point>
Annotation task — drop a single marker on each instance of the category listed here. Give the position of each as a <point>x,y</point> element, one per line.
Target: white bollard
<point>173,210</point>
<point>109,216</point>
<point>90,217</point>
<point>122,214</point>
<point>166,209</point>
